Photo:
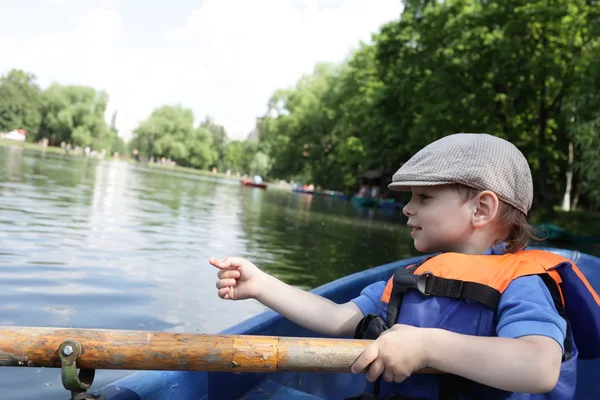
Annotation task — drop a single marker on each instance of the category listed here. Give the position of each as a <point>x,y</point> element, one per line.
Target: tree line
<point>524,70</point>
<point>71,114</point>
<point>75,115</point>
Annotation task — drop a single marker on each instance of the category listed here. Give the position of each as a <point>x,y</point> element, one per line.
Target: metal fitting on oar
<point>77,384</point>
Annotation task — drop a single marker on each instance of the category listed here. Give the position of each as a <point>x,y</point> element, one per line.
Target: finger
<point>230,262</point>
<point>366,358</point>
<point>223,283</point>
<point>388,375</point>
<point>221,264</point>
<point>228,274</point>
<point>375,369</point>
<point>214,261</point>
<point>224,293</point>
<point>399,378</point>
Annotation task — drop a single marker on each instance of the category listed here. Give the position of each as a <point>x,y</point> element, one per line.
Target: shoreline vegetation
<point>575,222</point>
<point>152,165</point>
<point>581,228</point>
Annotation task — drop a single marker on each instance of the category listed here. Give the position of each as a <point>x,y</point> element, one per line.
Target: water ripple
<point>114,245</point>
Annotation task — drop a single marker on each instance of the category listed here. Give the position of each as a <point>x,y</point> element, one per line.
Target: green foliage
<point>75,115</point>
<point>520,69</point>
<point>20,99</point>
<point>218,140</point>
<point>169,132</point>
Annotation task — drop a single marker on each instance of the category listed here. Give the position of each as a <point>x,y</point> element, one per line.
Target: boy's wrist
<point>262,281</point>
<point>431,349</point>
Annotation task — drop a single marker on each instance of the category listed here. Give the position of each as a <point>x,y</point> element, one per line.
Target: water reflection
<point>104,244</point>
<point>308,241</point>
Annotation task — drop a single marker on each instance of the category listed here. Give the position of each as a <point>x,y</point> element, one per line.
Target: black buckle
<point>404,280</point>
<point>422,282</point>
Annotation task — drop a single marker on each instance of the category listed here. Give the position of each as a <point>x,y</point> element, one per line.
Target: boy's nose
<point>408,210</point>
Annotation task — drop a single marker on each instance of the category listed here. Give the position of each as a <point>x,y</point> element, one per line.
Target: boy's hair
<point>519,233</point>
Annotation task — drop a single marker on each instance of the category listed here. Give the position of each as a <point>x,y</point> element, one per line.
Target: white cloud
<point>253,48</point>
<point>224,61</point>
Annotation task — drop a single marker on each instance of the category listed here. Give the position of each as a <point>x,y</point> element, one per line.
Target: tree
<point>20,99</point>
<point>219,140</point>
<point>519,69</point>
<point>169,132</point>
<point>75,114</point>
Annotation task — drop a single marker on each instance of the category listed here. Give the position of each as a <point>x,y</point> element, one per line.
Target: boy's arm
<point>529,364</point>
<point>240,279</point>
<point>310,310</point>
<point>526,356</point>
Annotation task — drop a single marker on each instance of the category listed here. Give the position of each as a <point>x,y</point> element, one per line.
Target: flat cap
<point>478,160</point>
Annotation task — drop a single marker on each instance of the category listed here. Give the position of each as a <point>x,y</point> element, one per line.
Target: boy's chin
<point>422,247</point>
<point>427,247</point>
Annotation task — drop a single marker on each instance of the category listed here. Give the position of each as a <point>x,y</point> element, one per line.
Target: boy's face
<point>439,218</point>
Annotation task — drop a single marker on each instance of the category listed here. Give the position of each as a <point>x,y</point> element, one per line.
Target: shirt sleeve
<point>368,301</point>
<point>527,308</point>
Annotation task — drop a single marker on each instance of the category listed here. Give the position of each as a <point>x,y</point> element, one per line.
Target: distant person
<point>375,192</point>
<point>363,192</point>
<point>257,179</point>
<point>491,315</point>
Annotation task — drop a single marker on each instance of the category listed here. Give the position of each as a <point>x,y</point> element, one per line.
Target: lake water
<point>113,245</point>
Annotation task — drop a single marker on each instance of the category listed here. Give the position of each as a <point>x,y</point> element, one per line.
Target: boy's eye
<point>423,196</point>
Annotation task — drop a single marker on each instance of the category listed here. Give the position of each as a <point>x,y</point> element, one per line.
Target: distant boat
<point>553,235</point>
<point>365,201</point>
<point>250,182</point>
<point>390,204</point>
<point>300,190</point>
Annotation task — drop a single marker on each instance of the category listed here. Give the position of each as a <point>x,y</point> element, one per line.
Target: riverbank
<point>31,146</point>
<point>177,168</point>
<point>194,171</point>
<point>575,222</point>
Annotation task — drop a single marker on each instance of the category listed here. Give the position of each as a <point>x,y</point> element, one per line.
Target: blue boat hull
<point>165,385</point>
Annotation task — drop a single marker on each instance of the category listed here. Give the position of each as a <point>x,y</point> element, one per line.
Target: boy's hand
<point>238,278</point>
<point>397,353</point>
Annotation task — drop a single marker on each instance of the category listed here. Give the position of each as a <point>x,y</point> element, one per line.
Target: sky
<point>220,58</point>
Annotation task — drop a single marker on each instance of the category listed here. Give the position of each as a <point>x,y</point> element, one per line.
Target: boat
<point>324,193</point>
<point>365,201</point>
<point>555,236</point>
<point>250,182</point>
<point>165,385</point>
<point>390,204</point>
<point>300,190</point>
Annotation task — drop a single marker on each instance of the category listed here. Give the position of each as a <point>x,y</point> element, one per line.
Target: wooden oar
<point>148,350</point>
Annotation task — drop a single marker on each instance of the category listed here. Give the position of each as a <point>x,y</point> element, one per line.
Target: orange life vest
<point>483,279</point>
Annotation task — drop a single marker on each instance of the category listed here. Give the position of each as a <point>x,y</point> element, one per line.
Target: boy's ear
<point>485,208</point>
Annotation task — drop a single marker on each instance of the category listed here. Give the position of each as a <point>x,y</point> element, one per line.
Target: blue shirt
<point>526,308</point>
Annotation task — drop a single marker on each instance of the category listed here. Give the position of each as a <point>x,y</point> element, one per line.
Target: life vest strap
<point>430,285</point>
<point>457,289</point>
<point>370,327</point>
<point>404,279</point>
<point>560,308</point>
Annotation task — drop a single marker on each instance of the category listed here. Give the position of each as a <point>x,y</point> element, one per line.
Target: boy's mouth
<point>413,227</point>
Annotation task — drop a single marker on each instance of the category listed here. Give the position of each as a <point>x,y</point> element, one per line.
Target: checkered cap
<point>477,160</point>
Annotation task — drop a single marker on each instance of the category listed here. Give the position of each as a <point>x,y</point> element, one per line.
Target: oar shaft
<point>148,350</point>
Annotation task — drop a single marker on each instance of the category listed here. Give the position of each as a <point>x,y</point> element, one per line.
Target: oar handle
<point>148,350</point>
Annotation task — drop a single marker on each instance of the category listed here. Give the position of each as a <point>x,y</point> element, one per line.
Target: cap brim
<point>405,186</point>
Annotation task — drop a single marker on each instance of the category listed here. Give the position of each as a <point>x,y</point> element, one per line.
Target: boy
<point>470,196</point>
